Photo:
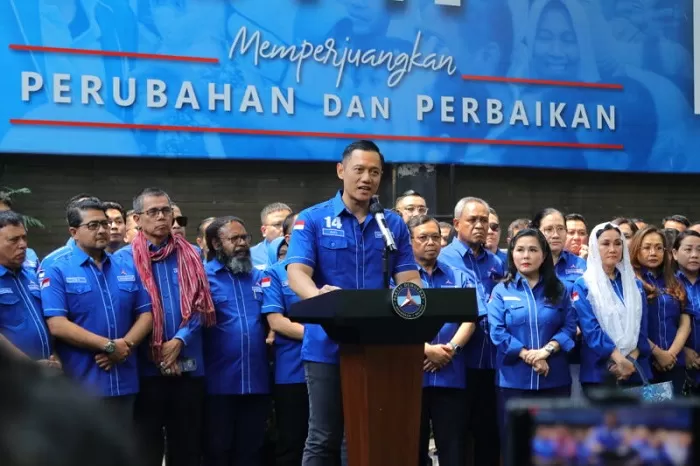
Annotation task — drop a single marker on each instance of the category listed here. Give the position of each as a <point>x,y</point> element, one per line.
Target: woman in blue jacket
<point>612,313</point>
<point>686,254</point>
<point>531,324</point>
<point>669,324</point>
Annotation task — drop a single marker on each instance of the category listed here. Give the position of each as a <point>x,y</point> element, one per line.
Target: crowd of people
<point>191,344</point>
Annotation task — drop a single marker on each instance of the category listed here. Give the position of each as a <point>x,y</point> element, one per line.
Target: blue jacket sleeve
<point>405,260</point>
<point>185,333</point>
<point>273,299</point>
<point>501,337</point>
<point>54,301</point>
<point>566,335</point>
<point>643,342</point>
<point>597,340</point>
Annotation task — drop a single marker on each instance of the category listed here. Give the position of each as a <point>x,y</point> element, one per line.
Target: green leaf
<point>31,222</point>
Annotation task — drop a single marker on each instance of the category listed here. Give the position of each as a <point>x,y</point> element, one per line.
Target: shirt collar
<point>339,206</point>
<point>4,270</point>
<point>522,282</point>
<point>464,249</point>
<point>440,267</point>
<point>156,247</point>
<point>79,257</point>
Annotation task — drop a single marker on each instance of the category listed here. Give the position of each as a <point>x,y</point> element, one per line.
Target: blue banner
<point>575,84</point>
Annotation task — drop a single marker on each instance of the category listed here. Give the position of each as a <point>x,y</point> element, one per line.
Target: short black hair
<point>200,230</point>
<point>619,221</point>
<point>363,145</point>
<point>637,220</point>
<point>288,223</point>
<point>405,194</point>
<point>147,192</point>
<point>676,218</point>
<point>115,206</point>
<point>607,227</point>
<point>9,217</point>
<point>212,232</point>
<point>536,221</point>
<point>419,220</point>
<point>74,213</point>
<point>79,197</point>
<point>575,217</point>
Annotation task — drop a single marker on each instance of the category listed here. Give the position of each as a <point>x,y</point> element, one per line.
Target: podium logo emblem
<point>408,301</point>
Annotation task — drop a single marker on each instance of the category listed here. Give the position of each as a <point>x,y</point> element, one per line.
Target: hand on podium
<point>327,289</point>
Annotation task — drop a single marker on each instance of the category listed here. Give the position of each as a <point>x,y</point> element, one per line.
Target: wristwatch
<point>456,348</point>
<point>549,348</point>
<point>110,347</point>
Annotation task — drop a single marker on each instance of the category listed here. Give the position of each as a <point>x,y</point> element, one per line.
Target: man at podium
<point>338,244</point>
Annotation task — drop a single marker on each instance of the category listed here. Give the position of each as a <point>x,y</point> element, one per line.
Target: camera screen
<point>643,435</point>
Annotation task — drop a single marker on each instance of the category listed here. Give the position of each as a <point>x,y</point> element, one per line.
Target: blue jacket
<point>597,346</point>
<point>522,318</point>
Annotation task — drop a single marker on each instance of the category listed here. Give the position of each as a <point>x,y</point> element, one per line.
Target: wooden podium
<point>381,365</point>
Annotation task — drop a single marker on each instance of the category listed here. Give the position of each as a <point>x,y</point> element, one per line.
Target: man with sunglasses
<point>172,368</point>
<point>97,310</point>
<point>493,237</point>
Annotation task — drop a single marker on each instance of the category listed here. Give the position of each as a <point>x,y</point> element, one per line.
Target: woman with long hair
<point>669,325</point>
<point>612,313</point>
<point>532,324</point>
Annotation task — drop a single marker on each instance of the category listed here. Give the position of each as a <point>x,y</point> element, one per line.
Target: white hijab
<point>619,319</point>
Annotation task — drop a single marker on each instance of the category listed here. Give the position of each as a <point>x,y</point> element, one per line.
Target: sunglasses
<point>182,221</point>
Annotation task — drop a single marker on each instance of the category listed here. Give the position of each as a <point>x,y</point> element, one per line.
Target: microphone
<point>378,211</point>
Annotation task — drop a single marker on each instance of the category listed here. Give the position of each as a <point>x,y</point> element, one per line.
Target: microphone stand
<point>386,259</point>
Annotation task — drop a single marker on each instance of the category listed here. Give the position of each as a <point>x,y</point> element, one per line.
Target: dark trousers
<point>174,404</point>
<point>447,409</point>
<point>483,420</point>
<point>121,409</point>
<point>235,429</point>
<point>292,415</point>
<point>506,394</point>
<point>325,443</point>
<point>675,375</point>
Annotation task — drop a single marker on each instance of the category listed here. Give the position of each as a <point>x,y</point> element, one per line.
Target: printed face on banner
<point>486,82</point>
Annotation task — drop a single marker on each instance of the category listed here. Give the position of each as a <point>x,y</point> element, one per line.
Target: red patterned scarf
<point>195,296</point>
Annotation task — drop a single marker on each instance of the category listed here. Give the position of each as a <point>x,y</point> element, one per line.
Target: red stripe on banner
<point>542,82</point>
<point>108,53</point>
<point>309,134</point>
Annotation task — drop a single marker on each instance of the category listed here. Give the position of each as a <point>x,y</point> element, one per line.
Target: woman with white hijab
<point>612,312</point>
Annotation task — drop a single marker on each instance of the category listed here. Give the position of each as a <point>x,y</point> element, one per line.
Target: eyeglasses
<point>421,210</point>
<point>181,220</point>
<point>560,229</point>
<point>236,238</point>
<point>96,224</point>
<point>648,249</point>
<point>153,213</point>
<point>494,226</point>
<point>425,238</point>
<point>277,225</point>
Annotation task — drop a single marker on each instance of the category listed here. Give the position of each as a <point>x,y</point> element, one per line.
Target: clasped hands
<point>122,350</point>
<point>664,360</point>
<point>621,367</point>
<point>692,359</point>
<point>437,357</point>
<point>537,358</point>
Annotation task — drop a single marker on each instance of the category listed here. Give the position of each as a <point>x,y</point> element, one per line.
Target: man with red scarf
<point>171,367</point>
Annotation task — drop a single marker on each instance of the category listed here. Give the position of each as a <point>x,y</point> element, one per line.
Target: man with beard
<point>235,355</point>
<point>172,369</point>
